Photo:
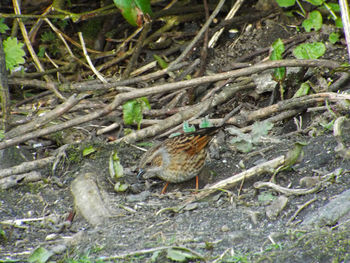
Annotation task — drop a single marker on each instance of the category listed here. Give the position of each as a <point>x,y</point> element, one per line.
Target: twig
<point>45,118</point>
<point>199,35</point>
<point>120,98</point>
<point>137,50</point>
<point>230,15</point>
<point>98,74</point>
<point>288,191</point>
<point>32,52</point>
<point>235,179</point>
<point>13,180</point>
<point>27,166</point>
<point>299,210</point>
<point>151,250</point>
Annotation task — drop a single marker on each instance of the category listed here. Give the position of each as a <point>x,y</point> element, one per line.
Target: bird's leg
<point>197,183</point>
<point>164,188</point>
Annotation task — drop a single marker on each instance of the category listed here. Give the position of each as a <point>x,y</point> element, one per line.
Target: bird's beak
<point>140,173</point>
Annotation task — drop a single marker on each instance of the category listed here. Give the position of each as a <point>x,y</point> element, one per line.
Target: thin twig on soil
<point>288,191</point>
<point>235,179</point>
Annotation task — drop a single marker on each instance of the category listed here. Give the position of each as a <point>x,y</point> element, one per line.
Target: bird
<point>177,159</point>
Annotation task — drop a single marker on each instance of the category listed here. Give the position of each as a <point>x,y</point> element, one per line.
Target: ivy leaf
<point>309,50</point>
<point>14,53</point>
<point>314,21</point>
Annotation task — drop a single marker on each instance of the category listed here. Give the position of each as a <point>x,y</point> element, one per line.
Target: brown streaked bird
<point>179,158</point>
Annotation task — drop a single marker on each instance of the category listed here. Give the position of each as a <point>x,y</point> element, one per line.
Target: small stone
<point>224,228</point>
<point>273,210</point>
<point>309,181</point>
<point>138,197</point>
<point>191,207</point>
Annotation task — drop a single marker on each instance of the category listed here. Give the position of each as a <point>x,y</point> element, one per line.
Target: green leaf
<point>133,10</point>
<point>40,255</point>
<point>309,50</point>
<point>116,170</point>
<point>315,2</point>
<point>339,23</point>
<point>285,3</point>
<point>88,150</point>
<point>188,128</point>
<point>162,63</point>
<point>277,50</point>
<point>121,187</point>
<point>41,52</point>
<point>179,255</point>
<point>144,103</point>
<point>302,91</point>
<point>14,53</point>
<point>2,134</point>
<point>334,7</point>
<point>205,123</point>
<point>279,74</point>
<point>3,26</point>
<point>266,196</point>
<point>334,37</point>
<point>276,54</point>
<point>132,110</point>
<point>314,21</point>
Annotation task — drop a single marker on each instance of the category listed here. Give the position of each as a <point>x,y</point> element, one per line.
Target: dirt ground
<point>242,224</point>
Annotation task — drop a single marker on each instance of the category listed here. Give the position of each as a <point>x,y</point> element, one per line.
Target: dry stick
<point>183,115</point>
<point>27,167</point>
<point>300,209</point>
<point>230,15</point>
<point>235,179</point>
<point>151,250</point>
<point>59,34</point>
<point>92,85</point>
<point>13,180</point>
<point>120,98</point>
<point>46,118</point>
<point>32,52</point>
<point>294,103</point>
<point>137,50</point>
<point>204,50</point>
<point>199,35</point>
<point>98,74</point>
<point>288,191</point>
